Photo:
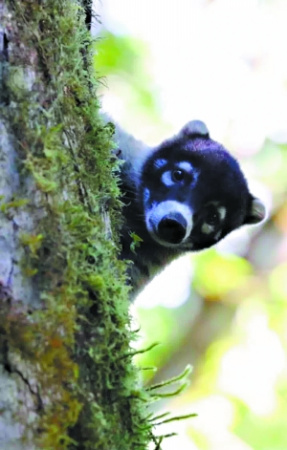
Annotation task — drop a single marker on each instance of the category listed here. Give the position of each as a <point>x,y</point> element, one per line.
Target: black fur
<point>186,194</point>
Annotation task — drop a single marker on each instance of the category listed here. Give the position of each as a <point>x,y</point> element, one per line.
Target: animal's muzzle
<point>172,228</point>
<point>169,222</point>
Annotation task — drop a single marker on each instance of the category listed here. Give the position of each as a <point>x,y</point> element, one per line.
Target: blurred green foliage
<point>270,166</point>
<point>216,275</point>
<point>120,60</point>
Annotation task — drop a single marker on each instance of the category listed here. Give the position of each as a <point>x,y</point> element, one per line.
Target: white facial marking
<point>207,229</point>
<point>217,236</point>
<point>222,212</point>
<point>157,212</point>
<point>146,195</point>
<point>185,165</point>
<point>166,178</point>
<point>159,163</point>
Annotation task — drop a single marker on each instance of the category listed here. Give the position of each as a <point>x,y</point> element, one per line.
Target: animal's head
<point>193,192</point>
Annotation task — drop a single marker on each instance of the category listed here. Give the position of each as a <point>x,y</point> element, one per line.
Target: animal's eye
<point>172,177</point>
<point>212,217</point>
<point>177,175</point>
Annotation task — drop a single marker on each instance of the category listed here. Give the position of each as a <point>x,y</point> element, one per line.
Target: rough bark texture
<point>66,378</point>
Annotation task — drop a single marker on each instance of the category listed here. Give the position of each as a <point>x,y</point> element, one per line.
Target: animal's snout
<point>169,223</point>
<point>172,228</point>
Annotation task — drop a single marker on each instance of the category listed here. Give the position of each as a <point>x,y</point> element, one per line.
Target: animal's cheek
<point>154,193</point>
<point>185,194</point>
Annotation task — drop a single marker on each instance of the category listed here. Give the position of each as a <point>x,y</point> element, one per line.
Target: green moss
<point>15,203</point>
<point>33,242</point>
<point>78,343</point>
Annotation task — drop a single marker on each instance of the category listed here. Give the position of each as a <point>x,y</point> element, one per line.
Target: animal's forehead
<point>200,151</point>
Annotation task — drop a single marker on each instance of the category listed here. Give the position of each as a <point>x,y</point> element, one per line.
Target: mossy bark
<point>66,377</point>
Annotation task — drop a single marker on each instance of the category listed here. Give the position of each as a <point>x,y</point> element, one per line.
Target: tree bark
<point>66,377</point>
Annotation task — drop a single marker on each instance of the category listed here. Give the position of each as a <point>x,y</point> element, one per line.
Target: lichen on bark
<point>64,323</point>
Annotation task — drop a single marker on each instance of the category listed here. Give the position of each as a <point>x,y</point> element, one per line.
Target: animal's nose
<point>172,228</point>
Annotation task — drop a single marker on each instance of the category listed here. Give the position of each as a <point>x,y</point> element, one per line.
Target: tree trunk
<point>66,378</point>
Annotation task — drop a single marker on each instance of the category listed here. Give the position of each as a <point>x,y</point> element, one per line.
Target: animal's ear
<point>195,127</point>
<point>257,211</point>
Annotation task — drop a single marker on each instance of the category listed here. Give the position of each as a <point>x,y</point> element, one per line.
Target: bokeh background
<point>163,63</point>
